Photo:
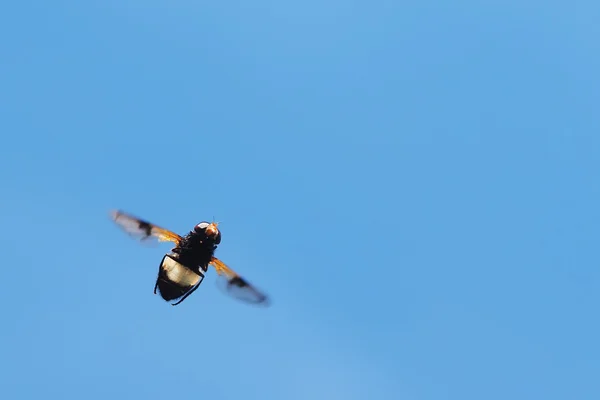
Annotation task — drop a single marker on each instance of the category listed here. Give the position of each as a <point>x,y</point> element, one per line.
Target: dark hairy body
<point>182,270</point>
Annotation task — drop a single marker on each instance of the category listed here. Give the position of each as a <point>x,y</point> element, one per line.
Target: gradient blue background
<point>414,183</point>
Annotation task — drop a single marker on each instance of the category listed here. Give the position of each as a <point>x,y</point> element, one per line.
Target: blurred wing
<point>143,230</point>
<point>236,286</point>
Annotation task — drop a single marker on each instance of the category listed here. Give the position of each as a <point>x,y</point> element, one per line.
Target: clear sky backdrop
<point>414,183</point>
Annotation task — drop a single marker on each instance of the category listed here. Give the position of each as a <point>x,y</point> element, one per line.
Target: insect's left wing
<point>143,230</point>
<point>237,286</point>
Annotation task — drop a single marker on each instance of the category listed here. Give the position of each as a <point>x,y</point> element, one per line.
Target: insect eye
<point>201,227</point>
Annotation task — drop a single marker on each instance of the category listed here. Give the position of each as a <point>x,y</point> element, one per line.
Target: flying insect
<point>183,269</point>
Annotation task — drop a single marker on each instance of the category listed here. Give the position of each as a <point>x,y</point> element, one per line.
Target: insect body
<point>182,270</point>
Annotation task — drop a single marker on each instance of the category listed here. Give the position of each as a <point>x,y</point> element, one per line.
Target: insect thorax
<point>194,252</point>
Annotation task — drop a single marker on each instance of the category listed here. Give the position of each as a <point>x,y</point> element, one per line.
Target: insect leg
<point>187,294</point>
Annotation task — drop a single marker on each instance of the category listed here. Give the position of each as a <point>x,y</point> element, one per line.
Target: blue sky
<point>414,184</point>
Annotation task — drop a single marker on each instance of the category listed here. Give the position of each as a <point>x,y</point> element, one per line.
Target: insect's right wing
<point>143,230</point>
<point>238,287</point>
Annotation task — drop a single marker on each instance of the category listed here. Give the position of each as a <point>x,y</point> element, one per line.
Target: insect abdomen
<point>174,279</point>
